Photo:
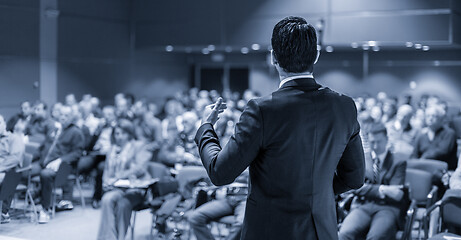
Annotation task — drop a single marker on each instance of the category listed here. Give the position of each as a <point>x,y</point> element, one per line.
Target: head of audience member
<point>118,97</point>
<point>214,95</point>
<point>55,111</point>
<point>40,109</point>
<point>193,94</point>
<point>294,44</point>
<point>370,102</point>
<point>95,103</point>
<point>189,122</point>
<point>2,126</point>
<point>26,109</point>
<point>432,100</point>
<point>121,106</point>
<point>418,119</point>
<point>123,132</point>
<point>147,130</point>
<point>404,114</point>
<point>435,116</point>
<point>200,105</point>
<point>70,99</point>
<point>152,107</point>
<point>389,107</point>
<point>130,99</point>
<point>86,97</point>
<point>173,108</point>
<point>86,108</point>
<point>66,116</point>
<point>139,108</point>
<point>108,112</point>
<point>204,94</point>
<point>376,113</point>
<point>377,137</point>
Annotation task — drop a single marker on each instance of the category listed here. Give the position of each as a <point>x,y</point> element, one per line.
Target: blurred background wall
<point>50,48</point>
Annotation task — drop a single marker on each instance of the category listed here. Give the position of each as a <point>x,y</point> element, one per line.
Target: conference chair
<point>27,186</point>
<point>8,186</point>
<point>422,192</point>
<point>450,212</point>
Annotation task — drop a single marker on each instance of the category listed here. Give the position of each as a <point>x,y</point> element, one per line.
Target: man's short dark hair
<point>294,43</point>
<point>38,102</point>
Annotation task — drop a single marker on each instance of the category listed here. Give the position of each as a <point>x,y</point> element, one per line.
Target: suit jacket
<point>443,147</point>
<point>391,173</point>
<point>302,146</point>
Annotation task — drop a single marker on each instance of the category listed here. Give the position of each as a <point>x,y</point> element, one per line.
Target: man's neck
<point>284,75</point>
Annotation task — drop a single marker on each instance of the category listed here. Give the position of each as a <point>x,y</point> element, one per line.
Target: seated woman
<point>127,159</point>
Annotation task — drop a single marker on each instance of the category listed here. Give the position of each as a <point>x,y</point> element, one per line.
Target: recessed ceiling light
<point>255,46</point>
<point>354,45</point>
<point>426,48</point>
<point>205,51</point>
<point>329,49</point>
<point>244,50</point>
<point>409,44</point>
<point>211,47</point>
<point>418,46</point>
<point>169,48</point>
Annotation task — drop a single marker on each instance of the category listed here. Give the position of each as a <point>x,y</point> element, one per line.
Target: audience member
<point>40,126</point>
<point>11,154</point>
<point>67,147</point>
<point>436,141</point>
<point>400,132</point>
<point>23,115</point>
<point>127,159</point>
<point>375,211</point>
<point>226,203</point>
<point>97,149</point>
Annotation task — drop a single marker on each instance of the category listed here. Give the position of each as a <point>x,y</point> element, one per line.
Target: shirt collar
<point>285,80</point>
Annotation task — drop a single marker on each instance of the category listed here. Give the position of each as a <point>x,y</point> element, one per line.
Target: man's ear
<point>317,58</point>
<point>273,59</point>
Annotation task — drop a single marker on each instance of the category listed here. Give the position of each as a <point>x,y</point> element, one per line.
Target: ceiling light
<point>205,51</point>
<point>418,46</point>
<point>329,49</point>
<point>244,50</point>
<point>409,44</point>
<point>426,48</point>
<point>354,45</point>
<point>255,46</point>
<point>169,48</point>
<point>211,47</point>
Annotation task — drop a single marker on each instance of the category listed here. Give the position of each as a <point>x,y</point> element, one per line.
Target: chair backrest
<point>27,161</point>
<point>62,174</point>
<point>435,167</point>
<point>457,126</point>
<point>31,147</point>
<point>451,208</point>
<point>420,183</point>
<point>157,170</point>
<point>166,186</point>
<point>9,184</point>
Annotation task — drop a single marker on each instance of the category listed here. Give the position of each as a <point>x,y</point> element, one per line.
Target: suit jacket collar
<point>301,83</point>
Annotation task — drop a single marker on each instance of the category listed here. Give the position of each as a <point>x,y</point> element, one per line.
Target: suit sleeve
<point>350,172</point>
<point>223,165</point>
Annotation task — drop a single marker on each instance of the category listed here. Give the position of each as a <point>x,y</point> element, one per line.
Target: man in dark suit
<point>301,143</point>
<point>376,210</point>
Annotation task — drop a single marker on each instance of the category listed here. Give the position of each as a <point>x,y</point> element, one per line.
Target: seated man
<point>11,154</point>
<point>66,147</point>
<point>24,115</point>
<point>400,132</point>
<point>377,204</point>
<point>226,203</point>
<point>40,126</point>
<point>180,148</point>
<point>127,159</point>
<point>436,141</point>
<point>98,146</point>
